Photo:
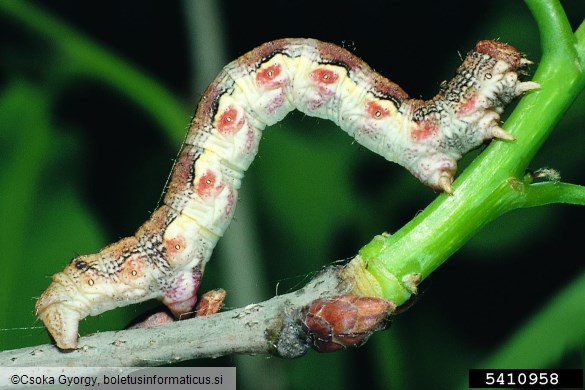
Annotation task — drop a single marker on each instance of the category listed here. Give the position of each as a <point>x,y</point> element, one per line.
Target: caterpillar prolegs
<point>165,259</point>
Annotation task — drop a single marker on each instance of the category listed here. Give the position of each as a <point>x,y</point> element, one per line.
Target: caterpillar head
<point>60,307</point>
<point>465,113</point>
<point>92,284</point>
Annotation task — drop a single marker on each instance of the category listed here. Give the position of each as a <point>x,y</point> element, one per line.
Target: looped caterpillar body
<point>165,259</point>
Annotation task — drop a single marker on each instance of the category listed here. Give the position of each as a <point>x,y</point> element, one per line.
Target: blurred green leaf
<point>24,113</point>
<point>39,212</point>
<point>547,337</point>
<point>550,336</point>
<point>305,184</point>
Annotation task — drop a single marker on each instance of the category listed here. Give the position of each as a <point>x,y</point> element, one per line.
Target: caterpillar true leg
<point>166,257</point>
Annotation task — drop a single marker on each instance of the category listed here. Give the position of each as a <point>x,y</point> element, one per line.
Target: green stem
<point>84,57</point>
<point>580,36</point>
<point>557,39</point>
<point>484,191</point>
<point>541,194</point>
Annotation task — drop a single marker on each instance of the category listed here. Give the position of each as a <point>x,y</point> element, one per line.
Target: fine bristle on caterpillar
<point>166,257</point>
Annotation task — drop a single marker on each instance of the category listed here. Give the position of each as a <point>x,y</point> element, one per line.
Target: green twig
<point>484,191</point>
<point>557,39</point>
<point>580,42</point>
<point>541,194</point>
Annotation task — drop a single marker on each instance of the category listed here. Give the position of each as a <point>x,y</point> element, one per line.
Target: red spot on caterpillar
<point>207,185</point>
<point>376,111</point>
<point>269,76</point>
<point>425,130</point>
<point>324,76</point>
<point>132,269</point>
<point>175,245</point>
<point>468,107</point>
<point>87,277</point>
<point>229,121</point>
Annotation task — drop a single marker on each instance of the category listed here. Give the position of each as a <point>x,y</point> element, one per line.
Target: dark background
<point>108,161</point>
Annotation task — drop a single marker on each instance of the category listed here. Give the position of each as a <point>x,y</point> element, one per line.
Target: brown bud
<point>343,321</point>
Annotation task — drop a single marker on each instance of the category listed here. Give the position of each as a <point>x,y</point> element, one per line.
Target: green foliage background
<point>87,137</point>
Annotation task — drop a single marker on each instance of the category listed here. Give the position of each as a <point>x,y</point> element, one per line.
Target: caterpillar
<point>166,257</point>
